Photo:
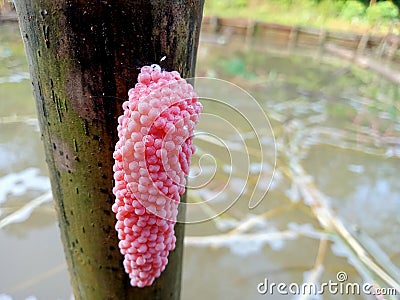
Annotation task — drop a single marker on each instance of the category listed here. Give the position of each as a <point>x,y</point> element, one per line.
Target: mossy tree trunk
<point>83,57</point>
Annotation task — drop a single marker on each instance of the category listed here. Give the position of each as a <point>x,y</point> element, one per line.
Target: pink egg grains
<point>152,158</point>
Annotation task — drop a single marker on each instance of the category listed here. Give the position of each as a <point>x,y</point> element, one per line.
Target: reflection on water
<point>337,135</point>
<point>368,198</point>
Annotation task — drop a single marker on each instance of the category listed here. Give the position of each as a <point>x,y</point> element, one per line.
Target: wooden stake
<point>83,56</point>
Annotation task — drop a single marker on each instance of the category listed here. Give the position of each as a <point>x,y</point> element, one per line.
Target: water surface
<point>336,131</point>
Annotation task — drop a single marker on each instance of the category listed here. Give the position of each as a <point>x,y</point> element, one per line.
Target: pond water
<point>332,154</point>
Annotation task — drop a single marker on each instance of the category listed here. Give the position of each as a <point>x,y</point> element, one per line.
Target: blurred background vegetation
<point>346,15</point>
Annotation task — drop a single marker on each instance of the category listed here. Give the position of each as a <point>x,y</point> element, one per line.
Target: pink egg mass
<point>152,158</point>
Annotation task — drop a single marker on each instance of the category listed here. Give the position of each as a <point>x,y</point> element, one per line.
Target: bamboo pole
<point>83,56</point>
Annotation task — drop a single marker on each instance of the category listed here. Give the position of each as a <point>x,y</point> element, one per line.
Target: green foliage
<point>331,14</point>
<point>230,4</point>
<point>384,11</point>
<point>367,2</point>
<point>324,9</point>
<point>352,11</point>
<point>240,3</point>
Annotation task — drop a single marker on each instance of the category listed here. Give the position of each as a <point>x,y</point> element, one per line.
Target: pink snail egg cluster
<point>152,158</point>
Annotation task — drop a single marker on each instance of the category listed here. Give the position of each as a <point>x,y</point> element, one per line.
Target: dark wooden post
<point>83,57</point>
